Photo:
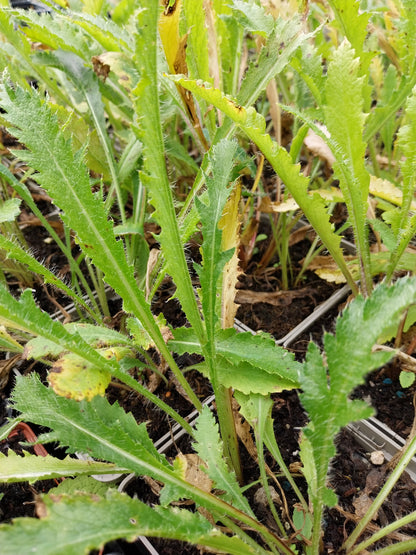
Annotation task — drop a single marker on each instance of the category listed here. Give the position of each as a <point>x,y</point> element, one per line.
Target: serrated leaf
<point>254,125</point>
<point>79,523</point>
<point>55,31</point>
<point>275,55</point>
<point>16,252</point>
<point>65,178</point>
<point>405,226</point>
<point>250,378</point>
<point>345,118</point>
<point>98,336</point>
<point>24,315</point>
<point>197,49</point>
<point>209,447</point>
<point>214,257</point>
<point>349,358</point>
<point>253,17</point>
<point>105,31</point>
<point>81,483</point>
<point>145,98</point>
<point>32,468</point>
<point>102,430</point>
<point>352,21</point>
<point>246,353</point>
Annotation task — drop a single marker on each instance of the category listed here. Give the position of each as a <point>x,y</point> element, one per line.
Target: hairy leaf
<point>76,524</point>
<point>275,55</point>
<point>24,315</point>
<point>55,31</point>
<point>405,226</point>
<point>240,356</point>
<point>16,252</point>
<point>97,428</point>
<point>213,256</point>
<point>349,358</point>
<point>32,468</point>
<point>344,118</point>
<point>145,97</point>
<point>65,178</point>
<point>352,22</point>
<point>197,47</point>
<point>209,447</point>
<point>253,124</point>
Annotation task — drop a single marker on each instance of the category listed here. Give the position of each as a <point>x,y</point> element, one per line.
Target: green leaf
<point>197,48</point>
<point>145,98</point>
<point>32,468</point>
<point>348,358</point>
<point>55,31</point>
<point>24,315</point>
<point>255,18</point>
<point>82,483</point>
<point>9,210</point>
<point>254,125</point>
<point>240,356</point>
<point>97,428</point>
<point>352,22</point>
<point>98,336</point>
<point>16,252</point>
<point>65,178</point>
<point>405,224</point>
<point>77,524</point>
<point>407,379</point>
<point>345,118</point>
<point>274,57</point>
<point>209,447</point>
<point>213,256</point>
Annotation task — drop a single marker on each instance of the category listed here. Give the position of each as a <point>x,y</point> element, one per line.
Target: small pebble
<point>377,457</point>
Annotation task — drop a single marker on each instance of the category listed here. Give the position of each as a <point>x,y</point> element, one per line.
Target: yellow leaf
<point>169,31</point>
<point>230,226</point>
<point>384,189</point>
<point>73,377</point>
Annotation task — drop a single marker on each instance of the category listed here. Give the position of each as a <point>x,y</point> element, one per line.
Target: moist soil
<point>351,470</point>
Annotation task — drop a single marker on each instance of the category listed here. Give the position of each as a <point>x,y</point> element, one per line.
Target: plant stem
<point>381,497</point>
<point>223,398</point>
<point>383,532</point>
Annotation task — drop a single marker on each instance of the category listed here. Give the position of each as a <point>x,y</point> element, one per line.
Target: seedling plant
<point>97,110</point>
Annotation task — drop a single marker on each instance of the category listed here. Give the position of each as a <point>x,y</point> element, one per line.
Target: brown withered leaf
<point>318,146</point>
<point>101,69</point>
<point>268,207</point>
<point>276,298</point>
<point>362,503</point>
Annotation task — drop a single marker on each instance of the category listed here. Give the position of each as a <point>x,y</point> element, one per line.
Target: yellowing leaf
<point>230,225</point>
<point>384,189</point>
<point>75,378</point>
<point>169,31</point>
